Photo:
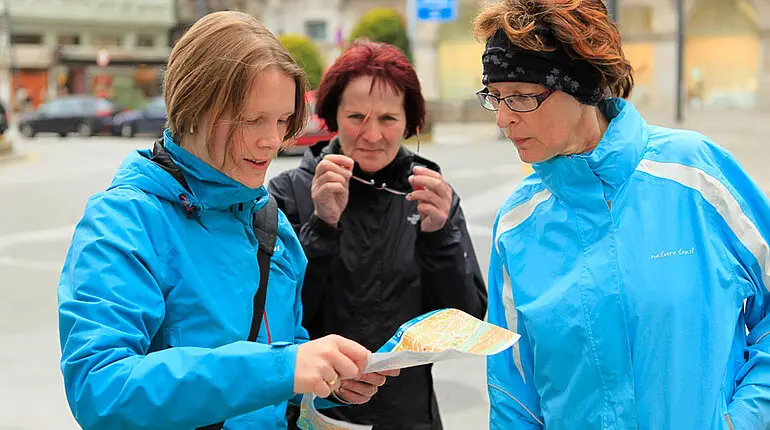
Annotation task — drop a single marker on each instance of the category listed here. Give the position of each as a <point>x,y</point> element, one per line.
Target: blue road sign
<point>436,10</point>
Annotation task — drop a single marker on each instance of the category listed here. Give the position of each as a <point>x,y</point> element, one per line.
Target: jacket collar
<point>612,162</point>
<point>210,188</point>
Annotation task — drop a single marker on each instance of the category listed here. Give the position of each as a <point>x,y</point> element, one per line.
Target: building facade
<point>186,12</point>
<point>727,47</point>
<point>53,47</point>
<point>330,22</point>
<point>726,63</point>
<point>50,47</point>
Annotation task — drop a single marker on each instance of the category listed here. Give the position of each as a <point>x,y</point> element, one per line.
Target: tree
<point>306,54</point>
<point>383,24</point>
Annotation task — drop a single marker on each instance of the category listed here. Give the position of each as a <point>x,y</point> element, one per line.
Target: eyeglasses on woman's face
<point>521,103</point>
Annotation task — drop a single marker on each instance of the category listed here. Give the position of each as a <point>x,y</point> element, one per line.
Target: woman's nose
<point>371,132</point>
<point>506,117</point>
<point>273,139</point>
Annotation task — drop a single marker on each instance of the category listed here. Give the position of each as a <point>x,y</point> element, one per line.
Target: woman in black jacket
<point>384,234</point>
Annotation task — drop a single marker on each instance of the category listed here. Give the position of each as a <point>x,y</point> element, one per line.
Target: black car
<point>81,114</point>
<point>149,120</point>
<point>3,119</point>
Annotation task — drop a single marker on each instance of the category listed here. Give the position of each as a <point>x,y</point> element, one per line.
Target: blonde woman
<point>161,292</point>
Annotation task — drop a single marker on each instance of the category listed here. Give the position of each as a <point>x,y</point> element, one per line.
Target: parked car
<point>149,120</point>
<point>315,132</point>
<point>81,114</point>
<point>4,120</point>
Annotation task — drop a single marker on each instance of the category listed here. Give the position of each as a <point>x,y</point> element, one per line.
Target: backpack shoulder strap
<point>266,232</point>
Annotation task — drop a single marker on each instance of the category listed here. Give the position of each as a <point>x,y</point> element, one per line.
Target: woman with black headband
<point>634,261</point>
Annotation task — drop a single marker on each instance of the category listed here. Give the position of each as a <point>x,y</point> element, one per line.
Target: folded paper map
<point>430,338</point>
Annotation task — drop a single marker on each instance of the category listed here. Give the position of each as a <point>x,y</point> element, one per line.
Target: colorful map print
<point>436,336</point>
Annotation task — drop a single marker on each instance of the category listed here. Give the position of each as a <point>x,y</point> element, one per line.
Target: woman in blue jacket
<point>634,262</point>
<point>158,293</point>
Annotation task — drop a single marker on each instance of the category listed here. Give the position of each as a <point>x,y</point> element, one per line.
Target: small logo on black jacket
<point>414,219</point>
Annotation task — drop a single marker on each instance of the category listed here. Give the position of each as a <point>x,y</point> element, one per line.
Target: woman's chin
<point>251,180</point>
<point>372,163</point>
<point>528,156</point>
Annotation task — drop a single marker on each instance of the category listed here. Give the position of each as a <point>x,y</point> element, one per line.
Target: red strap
<point>267,327</point>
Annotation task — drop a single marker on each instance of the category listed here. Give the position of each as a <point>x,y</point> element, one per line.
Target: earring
<point>192,129</point>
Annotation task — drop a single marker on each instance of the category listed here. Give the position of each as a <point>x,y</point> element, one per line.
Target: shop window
<point>145,40</point>
<point>106,39</point>
<point>316,30</point>
<point>27,39</point>
<point>68,39</point>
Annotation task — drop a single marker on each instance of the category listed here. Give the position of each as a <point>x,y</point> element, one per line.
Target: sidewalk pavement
<point>745,133</point>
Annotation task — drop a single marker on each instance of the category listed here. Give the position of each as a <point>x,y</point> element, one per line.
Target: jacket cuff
<point>438,238</point>
<point>320,239</point>
<point>323,229</point>
<point>270,368</point>
<point>741,418</point>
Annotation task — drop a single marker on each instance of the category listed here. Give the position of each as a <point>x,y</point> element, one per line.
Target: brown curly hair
<point>583,27</point>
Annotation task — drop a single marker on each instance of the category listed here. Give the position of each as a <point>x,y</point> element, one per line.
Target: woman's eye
<point>356,116</point>
<point>388,118</point>
<point>283,121</point>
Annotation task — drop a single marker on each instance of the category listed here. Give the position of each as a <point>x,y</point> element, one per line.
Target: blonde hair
<point>213,66</point>
<point>583,27</point>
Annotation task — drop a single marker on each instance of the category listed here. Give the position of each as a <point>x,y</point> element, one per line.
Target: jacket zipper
<point>517,401</point>
<point>761,337</point>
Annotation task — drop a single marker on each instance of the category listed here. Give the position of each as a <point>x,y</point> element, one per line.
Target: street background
<point>44,193</point>
<point>115,50</point>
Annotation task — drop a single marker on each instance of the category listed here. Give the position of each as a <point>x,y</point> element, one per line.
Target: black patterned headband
<point>504,62</point>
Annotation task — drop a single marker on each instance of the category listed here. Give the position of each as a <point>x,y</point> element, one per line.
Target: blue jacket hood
<point>209,187</point>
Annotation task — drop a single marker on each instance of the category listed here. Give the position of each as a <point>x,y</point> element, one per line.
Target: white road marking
<point>45,235</point>
<point>44,266</point>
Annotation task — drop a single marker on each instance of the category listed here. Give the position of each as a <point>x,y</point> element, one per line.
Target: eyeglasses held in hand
<point>381,187</point>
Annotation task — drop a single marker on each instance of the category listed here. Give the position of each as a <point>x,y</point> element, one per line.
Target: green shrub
<point>383,24</point>
<point>306,54</point>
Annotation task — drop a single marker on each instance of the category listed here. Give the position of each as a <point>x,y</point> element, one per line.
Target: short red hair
<point>387,65</point>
